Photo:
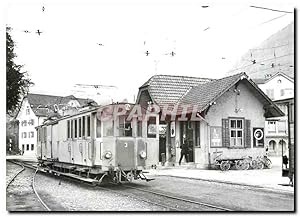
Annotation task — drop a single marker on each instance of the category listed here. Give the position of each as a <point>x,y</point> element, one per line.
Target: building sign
<point>215,136</point>
<point>162,129</point>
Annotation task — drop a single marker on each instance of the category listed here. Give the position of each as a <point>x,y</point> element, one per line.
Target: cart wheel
<point>268,163</point>
<point>225,165</point>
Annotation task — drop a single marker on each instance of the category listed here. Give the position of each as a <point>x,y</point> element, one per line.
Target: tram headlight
<point>143,154</point>
<point>108,155</point>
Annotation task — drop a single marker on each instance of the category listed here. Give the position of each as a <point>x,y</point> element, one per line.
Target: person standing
<point>184,151</point>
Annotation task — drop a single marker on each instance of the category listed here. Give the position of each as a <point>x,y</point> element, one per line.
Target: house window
<point>282,92</point>
<point>124,127</point>
<point>236,132</point>
<point>24,123</point>
<point>24,134</point>
<point>28,111</point>
<point>30,134</point>
<point>271,126</point>
<point>27,147</point>
<point>30,122</point>
<point>270,93</point>
<point>32,147</point>
<point>23,147</point>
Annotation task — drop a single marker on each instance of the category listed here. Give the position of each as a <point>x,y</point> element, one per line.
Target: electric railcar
<point>109,141</point>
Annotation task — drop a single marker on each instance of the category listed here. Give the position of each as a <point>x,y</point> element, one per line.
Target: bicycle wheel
<point>260,165</point>
<point>225,165</point>
<point>240,164</point>
<point>253,164</point>
<point>268,163</point>
<point>245,165</point>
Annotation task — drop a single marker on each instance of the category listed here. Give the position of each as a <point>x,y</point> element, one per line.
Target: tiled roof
<point>203,94</point>
<point>165,89</point>
<point>43,105</point>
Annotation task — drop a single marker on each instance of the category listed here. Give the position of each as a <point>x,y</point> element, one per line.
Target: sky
<point>207,41</point>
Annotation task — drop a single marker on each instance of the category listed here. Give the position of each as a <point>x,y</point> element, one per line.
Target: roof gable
<point>280,74</point>
<point>165,89</point>
<point>204,94</point>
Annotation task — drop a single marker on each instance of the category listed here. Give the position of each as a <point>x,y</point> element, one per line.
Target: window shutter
<point>247,133</point>
<point>225,133</point>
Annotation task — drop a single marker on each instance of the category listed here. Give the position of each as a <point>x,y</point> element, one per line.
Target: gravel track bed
<point>11,170</point>
<point>20,195</point>
<point>73,196</point>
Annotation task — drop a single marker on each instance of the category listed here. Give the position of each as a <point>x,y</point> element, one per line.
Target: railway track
<point>160,199</point>
<point>32,184</point>
<point>168,202</point>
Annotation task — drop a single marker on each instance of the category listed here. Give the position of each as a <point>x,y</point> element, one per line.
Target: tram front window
<point>124,127</point>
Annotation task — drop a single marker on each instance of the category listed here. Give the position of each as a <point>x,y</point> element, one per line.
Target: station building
<point>218,118</point>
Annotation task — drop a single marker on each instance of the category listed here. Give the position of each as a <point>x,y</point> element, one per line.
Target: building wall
<point>249,107</point>
<point>278,88</point>
<point>26,114</point>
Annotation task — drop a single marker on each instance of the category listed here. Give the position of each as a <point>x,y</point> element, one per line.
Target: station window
<point>271,126</point>
<point>124,127</point>
<point>75,128</point>
<point>79,127</point>
<point>98,128</point>
<point>236,132</point>
<point>139,128</point>
<point>88,126</point>
<point>68,129</point>
<point>151,127</point>
<point>23,147</point>
<point>27,147</point>
<point>32,147</point>
<point>83,126</point>
<point>30,134</point>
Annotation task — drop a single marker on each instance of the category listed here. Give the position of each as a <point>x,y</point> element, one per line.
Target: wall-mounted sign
<point>258,137</point>
<point>172,129</point>
<point>215,136</point>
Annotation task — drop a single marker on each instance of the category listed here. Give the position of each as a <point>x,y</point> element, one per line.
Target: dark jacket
<point>184,148</point>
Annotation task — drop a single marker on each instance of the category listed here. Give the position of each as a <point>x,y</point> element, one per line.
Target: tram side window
<point>68,129</point>
<point>72,129</point>
<point>79,127</point>
<point>98,128</point>
<point>124,127</point>
<point>139,128</point>
<point>151,127</point>
<point>83,126</point>
<point>108,128</point>
<point>75,128</point>
<point>88,126</point>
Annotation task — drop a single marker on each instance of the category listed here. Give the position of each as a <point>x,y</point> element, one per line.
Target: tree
<point>17,83</point>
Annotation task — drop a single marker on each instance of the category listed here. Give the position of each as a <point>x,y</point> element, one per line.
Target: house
<point>36,108</point>
<point>279,88</point>
<point>217,118</point>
